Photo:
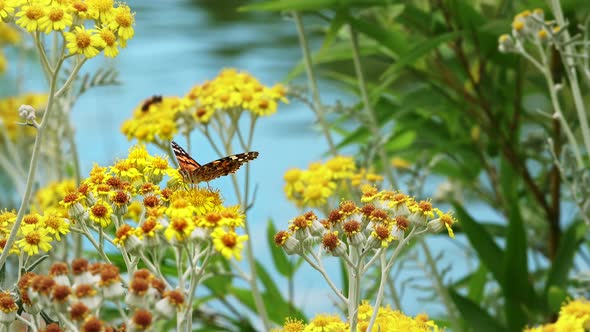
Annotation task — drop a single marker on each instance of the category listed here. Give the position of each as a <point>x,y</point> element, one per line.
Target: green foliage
<point>443,96</point>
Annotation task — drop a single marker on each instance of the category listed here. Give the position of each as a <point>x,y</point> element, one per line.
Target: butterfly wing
<point>194,172</point>
<point>186,163</point>
<point>223,166</point>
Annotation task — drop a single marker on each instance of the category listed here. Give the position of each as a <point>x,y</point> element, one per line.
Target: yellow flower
<point>341,167</point>
<point>55,224</point>
<point>292,325</point>
<point>6,8</point>
<point>101,213</point>
<point>179,229</point>
<point>125,170</point>
<point>109,42</point>
<point>122,22</point>
<point>83,41</point>
<point>316,195</point>
<point>57,19</point>
<point>101,10</point>
<point>232,217</point>
<point>579,308</point>
<point>29,16</point>
<point>323,323</point>
<point>228,243</point>
<point>34,239</point>
<point>157,168</point>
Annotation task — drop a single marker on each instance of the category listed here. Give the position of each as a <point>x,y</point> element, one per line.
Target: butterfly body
<point>193,172</point>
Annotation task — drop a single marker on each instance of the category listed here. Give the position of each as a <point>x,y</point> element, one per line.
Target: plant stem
<point>372,123</point>
<point>317,103</point>
<point>34,158</point>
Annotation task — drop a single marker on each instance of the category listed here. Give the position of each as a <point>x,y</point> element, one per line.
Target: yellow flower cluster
<point>384,217</point>
<point>158,118</point>
<point>129,192</point>
<point>36,231</point>
<point>9,113</point>
<point>388,320</point>
<point>153,121</point>
<point>528,25</point>
<point>573,316</point>
<point>232,90</point>
<point>312,187</point>
<point>112,22</point>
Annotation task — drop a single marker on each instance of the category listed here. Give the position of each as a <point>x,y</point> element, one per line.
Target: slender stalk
<point>372,123</point>
<point>321,270</point>
<point>317,103</point>
<point>570,69</point>
<point>41,131</point>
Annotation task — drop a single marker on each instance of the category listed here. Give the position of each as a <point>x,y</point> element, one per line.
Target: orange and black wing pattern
<point>193,172</point>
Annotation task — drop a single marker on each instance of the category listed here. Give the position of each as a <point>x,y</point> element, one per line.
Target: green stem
<point>317,103</point>
<point>372,123</point>
<point>41,130</point>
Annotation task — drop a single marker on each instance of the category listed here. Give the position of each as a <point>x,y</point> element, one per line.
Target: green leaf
<point>344,274</point>
<point>418,51</point>
<point>555,298</point>
<point>269,285</point>
<point>515,284</point>
<point>477,317</point>
<point>487,250</point>
<point>477,284</point>
<point>310,5</point>
<point>279,257</point>
<point>401,140</point>
<point>571,239</point>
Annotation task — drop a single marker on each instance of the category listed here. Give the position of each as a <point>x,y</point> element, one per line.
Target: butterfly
<point>155,99</point>
<point>193,172</point>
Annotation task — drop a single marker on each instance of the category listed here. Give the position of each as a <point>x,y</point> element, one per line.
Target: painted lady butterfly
<point>193,172</point>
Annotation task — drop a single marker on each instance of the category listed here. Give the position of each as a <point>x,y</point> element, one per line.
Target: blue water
<point>178,44</point>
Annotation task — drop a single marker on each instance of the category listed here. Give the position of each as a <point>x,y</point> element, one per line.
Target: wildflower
<point>289,243</point>
<point>101,10</point>
<point>324,323</point>
<point>6,8</point>
<point>127,237</point>
<point>80,272</point>
<point>110,282</point>
<point>34,239</point>
<point>421,211</point>
<point>138,290</point>
<point>108,42</point>
<point>443,220</point>
<point>141,320</point>
<point>59,272</point>
<point>56,19</point>
<point>29,16</point>
<point>148,231</point>
<point>88,295</point>
<point>170,304</point>
<point>123,21</point>
<point>382,234</point>
<point>82,41</point>
<point>228,243</point>
<point>333,244</point>
<point>8,308</point>
<point>178,230</point>
<point>79,311</point>
<point>55,224</point>
<point>101,213</point>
